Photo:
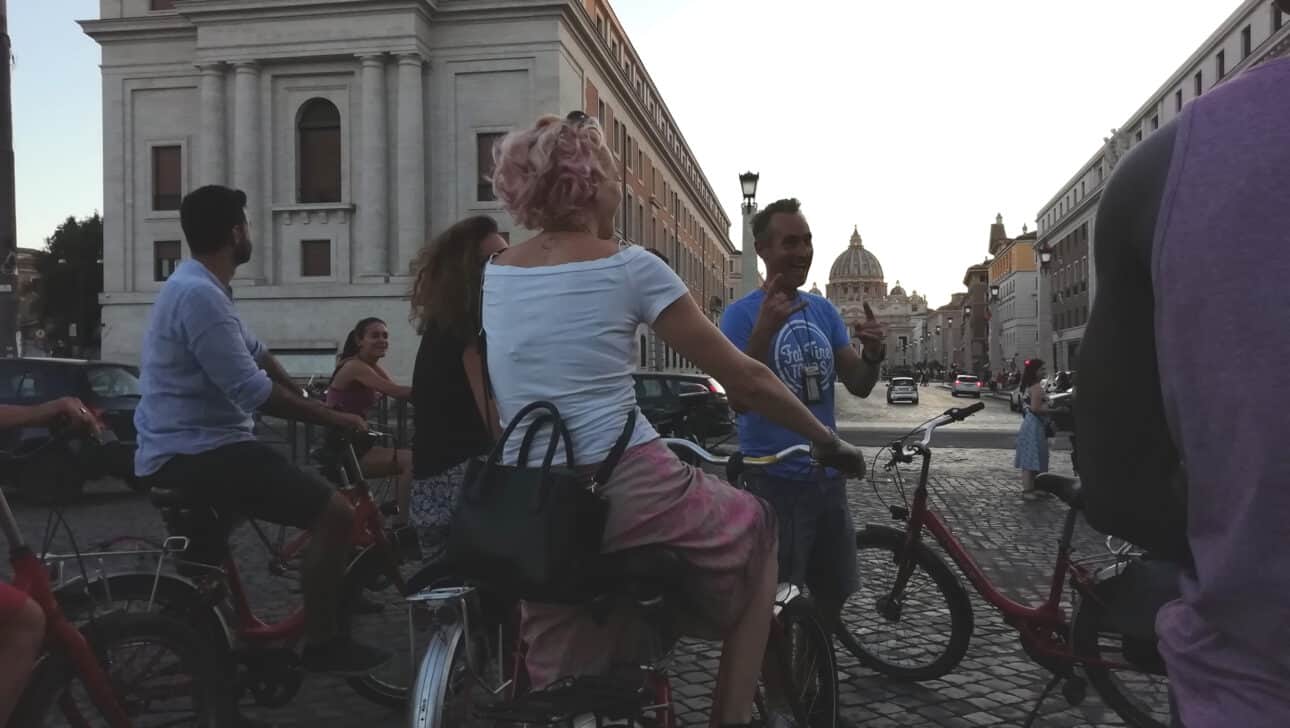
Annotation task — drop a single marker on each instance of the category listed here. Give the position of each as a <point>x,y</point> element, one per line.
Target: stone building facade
<point>1014,316</point>
<point>1255,32</point>
<point>358,130</point>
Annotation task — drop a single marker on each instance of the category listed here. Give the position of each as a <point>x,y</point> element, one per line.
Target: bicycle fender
<point>171,589</point>
<point>425,703</point>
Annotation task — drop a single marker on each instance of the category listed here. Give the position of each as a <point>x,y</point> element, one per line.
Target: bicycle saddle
<point>1066,489</point>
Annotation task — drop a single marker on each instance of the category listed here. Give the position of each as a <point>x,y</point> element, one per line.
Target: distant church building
<point>856,278</point>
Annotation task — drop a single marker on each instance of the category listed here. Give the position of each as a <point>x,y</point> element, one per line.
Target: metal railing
<point>298,439</point>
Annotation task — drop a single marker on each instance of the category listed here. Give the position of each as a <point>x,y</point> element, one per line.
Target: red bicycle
<point>120,670</point>
<point>912,619</point>
<point>259,656</point>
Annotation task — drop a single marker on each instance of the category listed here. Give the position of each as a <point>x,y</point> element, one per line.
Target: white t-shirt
<point>566,334</point>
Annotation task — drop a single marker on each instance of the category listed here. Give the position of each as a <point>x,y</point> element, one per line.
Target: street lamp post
<point>1045,255</point>
<point>996,364</point>
<point>748,252</point>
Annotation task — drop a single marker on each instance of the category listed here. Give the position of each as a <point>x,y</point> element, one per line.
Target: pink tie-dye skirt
<point>724,535</point>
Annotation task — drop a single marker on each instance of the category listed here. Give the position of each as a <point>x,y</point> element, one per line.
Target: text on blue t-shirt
<point>809,337</point>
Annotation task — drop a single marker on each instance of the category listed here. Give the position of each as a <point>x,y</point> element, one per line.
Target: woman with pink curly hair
<point>560,312</point>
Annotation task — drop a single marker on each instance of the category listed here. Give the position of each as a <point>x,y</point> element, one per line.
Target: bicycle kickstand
<point>1030,720</point>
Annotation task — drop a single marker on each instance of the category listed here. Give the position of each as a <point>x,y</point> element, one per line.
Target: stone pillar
<point>210,156</point>
<point>410,164</point>
<point>372,247</point>
<point>246,163</point>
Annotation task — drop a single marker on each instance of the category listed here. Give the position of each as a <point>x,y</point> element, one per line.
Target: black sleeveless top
<point>448,428</point>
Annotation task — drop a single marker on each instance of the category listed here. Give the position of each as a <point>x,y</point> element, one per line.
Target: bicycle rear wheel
<point>805,669</point>
<point>158,667</point>
<point>1140,697</point>
<point>920,633</point>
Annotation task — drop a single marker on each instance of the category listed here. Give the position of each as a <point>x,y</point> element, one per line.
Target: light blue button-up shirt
<point>198,371</point>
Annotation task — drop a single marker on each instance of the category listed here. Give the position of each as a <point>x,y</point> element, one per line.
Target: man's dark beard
<point>242,253</point>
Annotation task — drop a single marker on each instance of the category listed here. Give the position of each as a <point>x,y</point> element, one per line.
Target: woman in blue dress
<point>1032,441</point>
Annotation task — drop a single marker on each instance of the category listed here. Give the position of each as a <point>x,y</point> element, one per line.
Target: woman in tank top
<point>356,386</point>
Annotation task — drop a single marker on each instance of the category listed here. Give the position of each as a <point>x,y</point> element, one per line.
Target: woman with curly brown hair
<point>453,421</point>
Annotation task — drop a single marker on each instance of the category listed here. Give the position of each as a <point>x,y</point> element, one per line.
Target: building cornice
<point>1075,214</point>
<point>583,27</point>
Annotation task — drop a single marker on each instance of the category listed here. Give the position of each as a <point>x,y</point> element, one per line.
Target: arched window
<point>318,144</point>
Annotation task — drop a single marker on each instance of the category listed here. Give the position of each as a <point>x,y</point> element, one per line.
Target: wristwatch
<point>865,356</point>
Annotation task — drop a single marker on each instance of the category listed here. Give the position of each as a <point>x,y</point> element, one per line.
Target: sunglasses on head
<point>576,117</point>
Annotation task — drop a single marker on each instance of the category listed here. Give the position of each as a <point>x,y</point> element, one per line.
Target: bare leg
<point>1027,481</point>
<point>324,566</point>
<point>20,642</point>
<point>743,650</point>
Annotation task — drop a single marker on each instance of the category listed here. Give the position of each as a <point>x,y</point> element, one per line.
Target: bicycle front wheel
<point>375,612</point>
<point>804,681</point>
<point>158,668</point>
<point>920,632</point>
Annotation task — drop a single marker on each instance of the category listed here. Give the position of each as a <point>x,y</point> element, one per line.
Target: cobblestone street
<point>977,492</point>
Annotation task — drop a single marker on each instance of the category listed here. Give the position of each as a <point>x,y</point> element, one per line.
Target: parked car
<point>966,385</point>
<point>110,391</point>
<point>685,405</point>
<point>902,389</point>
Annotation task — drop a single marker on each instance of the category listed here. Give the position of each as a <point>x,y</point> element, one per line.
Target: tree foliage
<point>71,278</point>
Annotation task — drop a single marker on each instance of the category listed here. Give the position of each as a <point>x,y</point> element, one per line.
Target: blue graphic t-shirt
<point>810,336</point>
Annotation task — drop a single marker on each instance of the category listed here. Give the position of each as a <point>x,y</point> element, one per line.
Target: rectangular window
<point>600,113</point>
<point>1178,100</point>
<point>166,255</point>
<point>1199,82</point>
<point>484,165</point>
<point>315,258</point>
<point>161,5</point>
<point>1246,44</point>
<point>628,149</point>
<point>640,159</point>
<point>1277,17</point>
<point>1220,64</point>
<point>1137,136</point>
<point>166,174</point>
<point>1155,122</point>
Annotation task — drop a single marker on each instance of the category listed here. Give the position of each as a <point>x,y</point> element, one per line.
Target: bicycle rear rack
<point>60,578</point>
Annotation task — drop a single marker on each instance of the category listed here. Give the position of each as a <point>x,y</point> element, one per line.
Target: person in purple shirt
<point>202,376</point>
<point>1180,395</point>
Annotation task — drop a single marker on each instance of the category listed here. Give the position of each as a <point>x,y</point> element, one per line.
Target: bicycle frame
<point>1048,614</point>
<point>1042,627</point>
<point>368,533</point>
<point>31,577</point>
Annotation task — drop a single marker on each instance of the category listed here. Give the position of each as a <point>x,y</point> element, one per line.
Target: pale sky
<point>916,121</point>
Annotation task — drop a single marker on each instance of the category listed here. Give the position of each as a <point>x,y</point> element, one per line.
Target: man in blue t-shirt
<point>804,340</point>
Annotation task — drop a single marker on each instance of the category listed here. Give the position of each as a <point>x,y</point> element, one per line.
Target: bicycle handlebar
<point>761,460</point>
<point>954,414</point>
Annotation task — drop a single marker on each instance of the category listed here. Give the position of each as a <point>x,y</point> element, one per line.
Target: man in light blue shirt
<point>202,376</point>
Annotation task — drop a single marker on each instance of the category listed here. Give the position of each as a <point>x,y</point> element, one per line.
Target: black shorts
<point>249,479</point>
<point>817,537</point>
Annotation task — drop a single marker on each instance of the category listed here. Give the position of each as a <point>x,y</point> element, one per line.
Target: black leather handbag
<point>534,532</point>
